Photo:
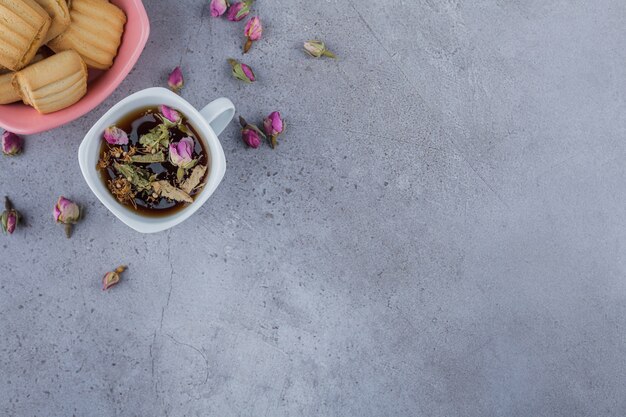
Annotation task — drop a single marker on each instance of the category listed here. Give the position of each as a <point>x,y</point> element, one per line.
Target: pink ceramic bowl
<point>23,119</point>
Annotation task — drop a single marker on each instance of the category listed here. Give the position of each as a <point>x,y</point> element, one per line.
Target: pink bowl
<point>23,119</point>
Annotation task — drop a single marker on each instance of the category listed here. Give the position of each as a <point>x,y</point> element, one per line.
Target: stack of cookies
<point>46,47</point>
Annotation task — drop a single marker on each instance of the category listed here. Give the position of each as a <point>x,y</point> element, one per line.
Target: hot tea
<point>153,161</point>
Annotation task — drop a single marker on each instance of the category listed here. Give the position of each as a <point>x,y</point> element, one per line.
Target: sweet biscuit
<point>53,83</point>
<point>95,32</point>
<point>8,92</point>
<point>60,14</point>
<point>23,28</point>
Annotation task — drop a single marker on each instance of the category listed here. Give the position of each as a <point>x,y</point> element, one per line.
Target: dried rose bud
<point>175,80</point>
<point>238,11</point>
<point>317,48</point>
<point>252,32</point>
<point>66,212</point>
<point>242,71</point>
<point>218,7</point>
<point>11,143</point>
<point>273,125</point>
<point>181,153</point>
<point>9,218</point>
<point>250,134</point>
<point>112,278</point>
<point>170,114</point>
<point>115,136</point>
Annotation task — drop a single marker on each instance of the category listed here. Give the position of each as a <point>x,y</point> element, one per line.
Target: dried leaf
<point>167,190</point>
<point>138,177</point>
<point>148,158</point>
<point>194,179</point>
<point>156,138</point>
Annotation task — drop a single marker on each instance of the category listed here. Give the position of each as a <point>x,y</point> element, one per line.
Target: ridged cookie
<point>60,14</point>
<point>23,28</point>
<point>95,32</point>
<point>8,93</point>
<point>54,83</point>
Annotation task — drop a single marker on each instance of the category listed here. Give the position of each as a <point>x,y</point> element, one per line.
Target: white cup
<point>208,122</point>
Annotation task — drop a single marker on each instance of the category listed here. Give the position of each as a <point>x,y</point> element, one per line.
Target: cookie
<point>95,32</point>
<point>8,93</point>
<point>60,15</point>
<point>54,83</point>
<point>23,28</point>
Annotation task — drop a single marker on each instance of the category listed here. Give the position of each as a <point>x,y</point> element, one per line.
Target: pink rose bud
<point>115,136</point>
<point>218,7</point>
<point>250,134</point>
<point>11,143</point>
<point>112,278</point>
<point>66,212</point>
<point>242,71</point>
<point>170,114</point>
<point>252,31</point>
<point>238,11</point>
<point>273,125</point>
<point>9,218</point>
<point>181,153</point>
<point>317,48</point>
<point>175,80</point>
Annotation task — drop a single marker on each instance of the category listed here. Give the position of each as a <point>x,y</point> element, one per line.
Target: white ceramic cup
<point>208,122</point>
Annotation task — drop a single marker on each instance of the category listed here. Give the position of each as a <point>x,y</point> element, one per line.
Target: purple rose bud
<point>181,153</point>
<point>175,80</point>
<point>112,278</point>
<point>273,125</point>
<point>170,114</point>
<point>242,71</point>
<point>252,32</point>
<point>66,211</point>
<point>115,136</point>
<point>11,143</point>
<point>317,48</point>
<point>218,7</point>
<point>238,11</point>
<point>250,134</point>
<point>9,218</point>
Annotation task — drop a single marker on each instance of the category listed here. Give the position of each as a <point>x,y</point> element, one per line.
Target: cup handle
<point>218,113</point>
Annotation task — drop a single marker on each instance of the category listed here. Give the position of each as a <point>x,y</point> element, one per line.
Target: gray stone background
<point>440,233</point>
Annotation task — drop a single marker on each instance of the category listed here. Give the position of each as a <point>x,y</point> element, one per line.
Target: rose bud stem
<point>242,122</point>
<point>7,204</point>
<point>247,45</point>
<point>68,230</point>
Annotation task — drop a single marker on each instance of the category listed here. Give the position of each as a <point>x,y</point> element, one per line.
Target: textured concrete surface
<point>440,233</point>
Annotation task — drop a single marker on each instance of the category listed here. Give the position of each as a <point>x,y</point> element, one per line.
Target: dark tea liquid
<point>140,122</point>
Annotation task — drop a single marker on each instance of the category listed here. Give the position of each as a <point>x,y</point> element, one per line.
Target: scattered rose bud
<point>250,134</point>
<point>66,212</point>
<point>170,114</point>
<point>238,11</point>
<point>218,7</point>
<point>9,218</point>
<point>317,48</point>
<point>115,136</point>
<point>273,125</point>
<point>252,32</point>
<point>242,71</point>
<point>175,80</point>
<point>112,278</point>
<point>11,143</point>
